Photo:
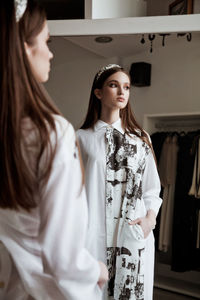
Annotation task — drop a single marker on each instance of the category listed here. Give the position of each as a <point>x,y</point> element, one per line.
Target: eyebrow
<point>113,80</point>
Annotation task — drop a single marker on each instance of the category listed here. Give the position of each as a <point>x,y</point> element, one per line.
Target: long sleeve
<point>64,224</point>
<point>151,185</point>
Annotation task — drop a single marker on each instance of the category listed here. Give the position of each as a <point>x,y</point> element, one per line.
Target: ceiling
<point>127,45</point>
<point>121,45</point>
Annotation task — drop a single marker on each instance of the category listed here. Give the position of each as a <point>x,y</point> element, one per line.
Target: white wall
<point>174,79</point>
<point>118,8</point>
<point>71,77</point>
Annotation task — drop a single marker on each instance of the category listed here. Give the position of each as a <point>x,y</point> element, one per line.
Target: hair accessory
<point>20,7</point>
<point>102,70</point>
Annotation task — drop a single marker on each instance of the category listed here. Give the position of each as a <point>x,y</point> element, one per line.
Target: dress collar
<point>117,125</point>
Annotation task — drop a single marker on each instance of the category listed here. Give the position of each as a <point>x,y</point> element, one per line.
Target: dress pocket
<point>137,232</point>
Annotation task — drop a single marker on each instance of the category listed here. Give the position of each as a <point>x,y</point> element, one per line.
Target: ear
<point>98,94</point>
<point>27,49</point>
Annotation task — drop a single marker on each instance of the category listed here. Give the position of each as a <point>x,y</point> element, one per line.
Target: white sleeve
<point>64,218</point>
<point>151,185</point>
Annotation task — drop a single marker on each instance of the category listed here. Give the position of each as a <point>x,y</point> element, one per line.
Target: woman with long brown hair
<point>122,186</point>
<point>43,209</point>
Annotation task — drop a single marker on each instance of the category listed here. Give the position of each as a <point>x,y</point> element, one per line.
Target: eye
<point>127,87</point>
<point>48,41</point>
<point>113,85</point>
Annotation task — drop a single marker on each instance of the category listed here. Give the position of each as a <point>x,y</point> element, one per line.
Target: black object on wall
<point>140,74</point>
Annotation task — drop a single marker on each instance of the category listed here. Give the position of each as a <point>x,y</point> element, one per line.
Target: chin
<point>43,79</point>
<point>122,106</point>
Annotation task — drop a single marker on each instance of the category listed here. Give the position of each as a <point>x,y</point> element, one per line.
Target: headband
<point>102,70</point>
<point>20,7</point>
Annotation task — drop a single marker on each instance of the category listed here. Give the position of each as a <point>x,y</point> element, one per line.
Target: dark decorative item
<point>181,7</point>
<point>180,34</point>
<point>142,39</point>
<point>140,73</point>
<point>163,37</point>
<point>151,38</point>
<point>188,36</point>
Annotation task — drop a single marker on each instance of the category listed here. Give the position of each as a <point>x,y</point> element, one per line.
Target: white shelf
<point>134,25</point>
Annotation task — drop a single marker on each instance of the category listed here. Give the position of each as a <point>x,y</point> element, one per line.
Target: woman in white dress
<point>122,187</point>
<point>43,208</point>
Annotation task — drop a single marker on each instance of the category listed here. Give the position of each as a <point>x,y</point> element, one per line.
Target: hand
<point>103,278</point>
<point>147,223</point>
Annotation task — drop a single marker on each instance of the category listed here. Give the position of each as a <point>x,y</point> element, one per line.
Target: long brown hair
<point>129,122</point>
<point>21,96</point>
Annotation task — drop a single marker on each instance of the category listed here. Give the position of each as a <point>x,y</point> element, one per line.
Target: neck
<point>109,116</point>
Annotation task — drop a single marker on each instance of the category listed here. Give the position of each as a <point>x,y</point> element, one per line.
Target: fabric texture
<point>119,189</point>
<point>167,171</point>
<point>45,249</point>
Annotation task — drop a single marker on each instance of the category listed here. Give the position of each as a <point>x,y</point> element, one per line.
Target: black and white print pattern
<point>125,164</point>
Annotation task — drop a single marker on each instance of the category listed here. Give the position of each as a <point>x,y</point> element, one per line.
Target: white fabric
<point>45,249</point>
<point>93,147</point>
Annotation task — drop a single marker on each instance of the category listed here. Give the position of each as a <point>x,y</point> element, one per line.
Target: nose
<point>50,55</point>
<point>120,90</point>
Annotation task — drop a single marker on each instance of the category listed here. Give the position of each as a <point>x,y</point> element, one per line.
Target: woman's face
<point>39,55</point>
<point>115,91</point>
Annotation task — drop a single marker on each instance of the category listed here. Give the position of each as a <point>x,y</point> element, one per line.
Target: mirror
<point>174,73</point>
<point>175,65</point>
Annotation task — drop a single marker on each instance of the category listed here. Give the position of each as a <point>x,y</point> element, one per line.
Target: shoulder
<point>83,134</point>
<point>63,127</point>
<point>65,137</point>
<point>64,130</point>
<point>142,143</point>
<point>139,137</point>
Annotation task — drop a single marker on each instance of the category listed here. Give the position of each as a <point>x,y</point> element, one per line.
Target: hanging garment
<point>42,253</point>
<point>158,139</point>
<point>185,256</point>
<point>195,187</point>
<point>167,171</point>
<point>122,184</point>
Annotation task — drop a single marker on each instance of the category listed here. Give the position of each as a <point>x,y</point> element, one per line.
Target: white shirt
<point>45,249</point>
<point>110,203</point>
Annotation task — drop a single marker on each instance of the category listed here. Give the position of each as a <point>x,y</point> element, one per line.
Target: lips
<point>120,99</point>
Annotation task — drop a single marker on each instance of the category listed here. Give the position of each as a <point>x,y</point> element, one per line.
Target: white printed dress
<point>121,184</point>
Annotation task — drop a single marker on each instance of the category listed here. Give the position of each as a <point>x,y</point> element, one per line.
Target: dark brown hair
<point>129,122</point>
<point>21,97</point>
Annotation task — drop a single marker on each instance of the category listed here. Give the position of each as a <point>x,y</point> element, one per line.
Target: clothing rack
<point>187,283</point>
